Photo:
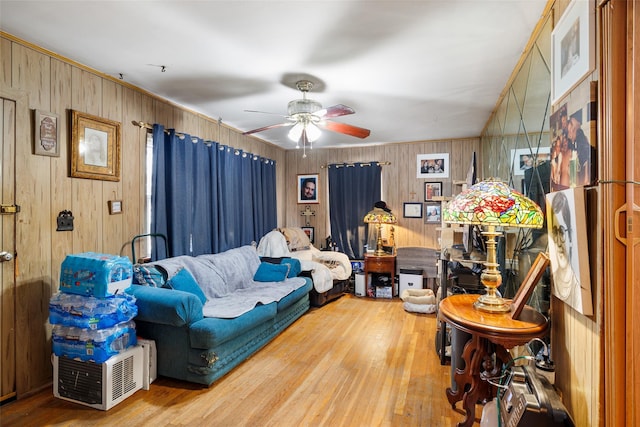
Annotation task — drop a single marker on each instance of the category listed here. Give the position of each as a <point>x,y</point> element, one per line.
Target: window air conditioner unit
<point>99,385</point>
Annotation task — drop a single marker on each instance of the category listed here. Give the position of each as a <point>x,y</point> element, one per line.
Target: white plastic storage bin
<point>410,279</point>
<point>361,285</point>
<point>99,385</point>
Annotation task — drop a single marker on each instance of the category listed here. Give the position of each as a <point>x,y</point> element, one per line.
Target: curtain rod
<point>348,164</point>
<point>195,139</point>
<point>150,127</point>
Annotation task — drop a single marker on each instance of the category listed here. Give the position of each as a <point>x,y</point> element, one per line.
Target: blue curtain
<point>353,190</point>
<point>206,197</point>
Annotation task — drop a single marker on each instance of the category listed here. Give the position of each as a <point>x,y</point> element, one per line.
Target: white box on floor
<point>410,280</point>
<point>99,385</point>
<point>149,362</point>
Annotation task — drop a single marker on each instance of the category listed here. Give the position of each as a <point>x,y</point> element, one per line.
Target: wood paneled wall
<point>44,188</point>
<point>399,183</point>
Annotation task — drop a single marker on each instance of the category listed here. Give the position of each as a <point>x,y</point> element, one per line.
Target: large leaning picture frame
<point>572,47</point>
<point>529,284</point>
<point>95,147</point>
<point>569,248</point>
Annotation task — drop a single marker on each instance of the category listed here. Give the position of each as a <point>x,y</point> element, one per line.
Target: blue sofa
<point>200,349</point>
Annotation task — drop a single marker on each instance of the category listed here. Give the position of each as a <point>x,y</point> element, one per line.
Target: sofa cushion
<point>148,276</point>
<point>184,281</point>
<point>268,272</point>
<point>211,331</point>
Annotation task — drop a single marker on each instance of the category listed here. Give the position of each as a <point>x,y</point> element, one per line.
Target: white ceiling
<point>412,70</point>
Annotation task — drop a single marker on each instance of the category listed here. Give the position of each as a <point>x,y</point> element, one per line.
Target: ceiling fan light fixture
<point>296,132</point>
<point>313,132</point>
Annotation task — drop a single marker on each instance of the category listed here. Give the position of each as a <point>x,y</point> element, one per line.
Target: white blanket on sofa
<point>325,267</point>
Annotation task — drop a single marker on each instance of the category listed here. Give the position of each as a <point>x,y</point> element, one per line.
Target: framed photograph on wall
<point>524,159</point>
<point>412,210</point>
<point>431,166</point>
<point>573,130</point>
<point>308,188</point>
<point>309,231</point>
<point>432,213</point>
<point>431,190</point>
<point>47,134</point>
<point>572,47</point>
<point>95,147</point>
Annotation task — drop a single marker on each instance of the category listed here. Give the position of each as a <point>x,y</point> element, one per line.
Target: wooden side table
<point>490,333</point>
<point>380,264</point>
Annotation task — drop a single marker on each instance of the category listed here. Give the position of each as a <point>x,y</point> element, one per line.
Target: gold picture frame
<point>46,141</point>
<point>95,147</point>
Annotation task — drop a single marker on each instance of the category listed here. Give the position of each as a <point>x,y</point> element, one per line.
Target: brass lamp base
<point>379,251</point>
<point>491,279</point>
<point>492,305</point>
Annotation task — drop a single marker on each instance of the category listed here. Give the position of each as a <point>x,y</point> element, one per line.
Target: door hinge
<point>9,209</point>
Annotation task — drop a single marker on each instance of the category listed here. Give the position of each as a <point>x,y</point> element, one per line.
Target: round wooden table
<point>490,333</point>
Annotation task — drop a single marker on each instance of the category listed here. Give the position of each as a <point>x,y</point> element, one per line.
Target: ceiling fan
<point>307,118</point>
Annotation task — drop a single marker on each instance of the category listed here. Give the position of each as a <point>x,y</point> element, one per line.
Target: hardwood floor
<point>353,362</point>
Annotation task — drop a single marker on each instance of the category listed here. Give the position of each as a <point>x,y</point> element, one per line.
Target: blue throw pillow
<point>295,267</point>
<point>268,272</point>
<point>184,281</point>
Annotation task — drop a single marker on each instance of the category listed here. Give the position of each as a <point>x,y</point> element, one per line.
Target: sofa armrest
<point>166,306</point>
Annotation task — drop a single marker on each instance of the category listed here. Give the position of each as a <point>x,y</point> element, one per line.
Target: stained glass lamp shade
<point>378,217</point>
<point>492,204</point>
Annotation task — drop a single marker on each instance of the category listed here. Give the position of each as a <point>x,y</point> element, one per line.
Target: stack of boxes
<point>92,317</point>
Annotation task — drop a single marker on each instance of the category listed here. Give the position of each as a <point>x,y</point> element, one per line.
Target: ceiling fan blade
<point>264,112</point>
<point>279,125</point>
<point>345,129</point>
<point>335,111</point>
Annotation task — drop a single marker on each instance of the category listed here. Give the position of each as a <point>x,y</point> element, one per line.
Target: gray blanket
<point>227,281</point>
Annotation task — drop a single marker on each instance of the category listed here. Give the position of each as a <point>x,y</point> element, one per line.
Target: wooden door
<point>7,250</point>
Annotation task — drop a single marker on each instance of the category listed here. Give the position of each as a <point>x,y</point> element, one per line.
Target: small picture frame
<point>115,207</point>
<point>412,210</point>
<point>524,158</point>
<point>95,147</point>
<point>431,166</point>
<point>308,188</point>
<point>46,140</point>
<point>432,190</point>
<point>529,284</point>
<point>432,213</point>
<point>572,47</point>
<point>309,231</point>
